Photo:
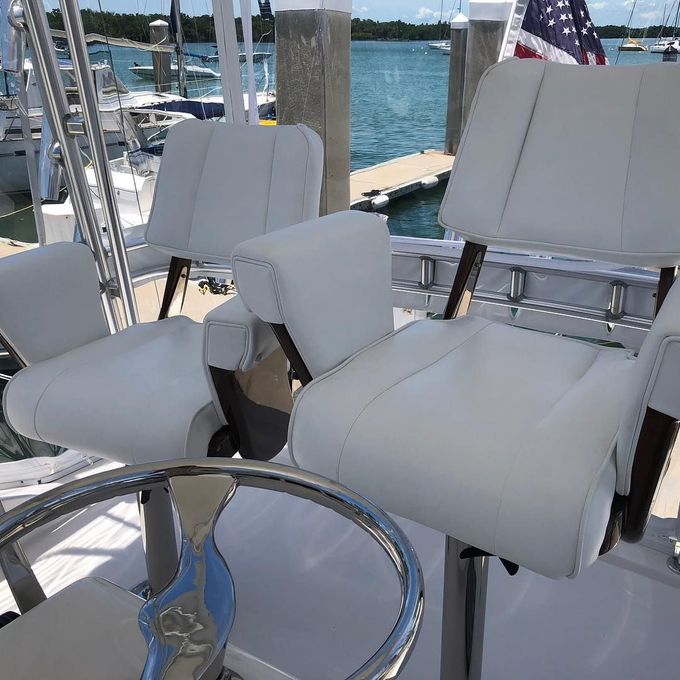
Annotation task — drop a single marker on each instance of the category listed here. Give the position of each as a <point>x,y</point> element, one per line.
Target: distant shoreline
<point>201,29</point>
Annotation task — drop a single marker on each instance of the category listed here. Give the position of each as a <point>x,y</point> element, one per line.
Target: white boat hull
<point>194,72</point>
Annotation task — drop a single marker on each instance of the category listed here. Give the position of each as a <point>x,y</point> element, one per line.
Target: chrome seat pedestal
<point>187,623</point>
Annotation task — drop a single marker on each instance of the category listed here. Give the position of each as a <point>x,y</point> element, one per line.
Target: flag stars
<point>566,30</point>
<point>584,31</point>
<point>589,24</point>
<point>548,9</point>
<point>552,22</point>
<point>563,18</point>
<point>582,14</point>
<point>561,4</point>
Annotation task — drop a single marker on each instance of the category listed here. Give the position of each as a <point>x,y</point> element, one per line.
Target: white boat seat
<point>87,630</point>
<point>137,396</point>
<point>537,448</point>
<point>496,435</point>
<point>162,390</point>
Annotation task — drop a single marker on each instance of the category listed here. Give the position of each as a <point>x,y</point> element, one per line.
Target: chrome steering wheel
<point>186,625</point>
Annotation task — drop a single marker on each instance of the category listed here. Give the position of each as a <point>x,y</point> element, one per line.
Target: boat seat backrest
<point>50,301</point>
<point>573,160</point>
<point>220,184</point>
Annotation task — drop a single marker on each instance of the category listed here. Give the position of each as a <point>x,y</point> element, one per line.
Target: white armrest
<point>236,338</point>
<point>655,383</point>
<point>328,281</point>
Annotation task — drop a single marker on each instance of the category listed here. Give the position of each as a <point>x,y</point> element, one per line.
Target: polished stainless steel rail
<point>30,14</point>
<point>75,34</point>
<point>187,624</point>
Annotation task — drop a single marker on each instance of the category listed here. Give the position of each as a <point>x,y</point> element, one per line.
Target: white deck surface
<point>315,597</point>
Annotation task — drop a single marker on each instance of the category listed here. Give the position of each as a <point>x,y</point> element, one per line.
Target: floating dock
<point>373,188</point>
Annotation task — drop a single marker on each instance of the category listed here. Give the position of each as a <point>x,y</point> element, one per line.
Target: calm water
<point>399,95</point>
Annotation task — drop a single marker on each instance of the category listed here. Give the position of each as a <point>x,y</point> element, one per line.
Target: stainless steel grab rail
<point>195,611</point>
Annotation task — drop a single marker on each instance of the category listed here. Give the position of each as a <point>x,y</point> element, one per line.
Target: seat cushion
<point>87,630</point>
<point>499,436</point>
<point>135,397</point>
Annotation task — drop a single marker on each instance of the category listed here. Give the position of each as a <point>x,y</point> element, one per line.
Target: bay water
<point>399,97</point>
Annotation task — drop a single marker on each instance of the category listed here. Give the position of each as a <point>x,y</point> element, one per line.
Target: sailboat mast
<point>176,22</point>
<point>441,18</point>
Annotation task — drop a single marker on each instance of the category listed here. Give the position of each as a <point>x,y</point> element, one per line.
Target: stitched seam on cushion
<point>304,188</point>
<point>226,324</point>
<point>461,148</point>
<point>406,377</point>
<point>272,270</point>
<point>586,506</point>
<point>630,154</point>
<point>271,182</point>
<point>643,259</point>
<point>200,181</point>
<point>40,398</point>
<point>522,444</point>
<point>299,396</point>
<point>65,370</point>
<point>521,151</point>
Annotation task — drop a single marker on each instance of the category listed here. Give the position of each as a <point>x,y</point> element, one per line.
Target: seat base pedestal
<point>159,538</point>
<point>464,605</point>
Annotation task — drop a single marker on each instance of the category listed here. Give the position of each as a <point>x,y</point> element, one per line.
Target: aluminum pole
<point>179,49</point>
<point>107,193</point>
<point>56,108</point>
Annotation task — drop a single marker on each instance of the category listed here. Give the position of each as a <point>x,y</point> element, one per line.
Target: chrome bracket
<point>15,15</point>
<point>74,125</point>
<point>617,300</point>
<point>518,278</point>
<point>427,267</point>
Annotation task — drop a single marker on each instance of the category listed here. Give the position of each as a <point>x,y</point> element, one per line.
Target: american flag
<point>559,30</point>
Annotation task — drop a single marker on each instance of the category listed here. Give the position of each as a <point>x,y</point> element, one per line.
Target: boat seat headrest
<point>220,184</point>
<point>571,160</point>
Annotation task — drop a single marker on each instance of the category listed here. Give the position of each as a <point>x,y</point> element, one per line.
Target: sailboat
<point>632,45</point>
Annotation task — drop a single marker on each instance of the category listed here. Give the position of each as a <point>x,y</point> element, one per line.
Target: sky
<point>413,11</point>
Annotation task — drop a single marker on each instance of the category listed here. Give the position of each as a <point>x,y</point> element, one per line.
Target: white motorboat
<point>258,57</point>
<point>115,101</point>
<point>193,72</point>
<point>662,45</point>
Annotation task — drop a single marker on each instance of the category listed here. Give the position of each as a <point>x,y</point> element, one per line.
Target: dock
<point>373,188</point>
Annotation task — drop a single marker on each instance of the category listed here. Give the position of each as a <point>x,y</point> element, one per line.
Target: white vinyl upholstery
<point>572,160</point>
<point>135,397</point>
<point>499,436</point>
<point>42,290</point>
<point>502,437</point>
<point>220,184</point>
<point>656,383</point>
<point>87,630</point>
<point>145,394</point>
<point>511,440</point>
<point>283,287</point>
<point>235,338</point>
